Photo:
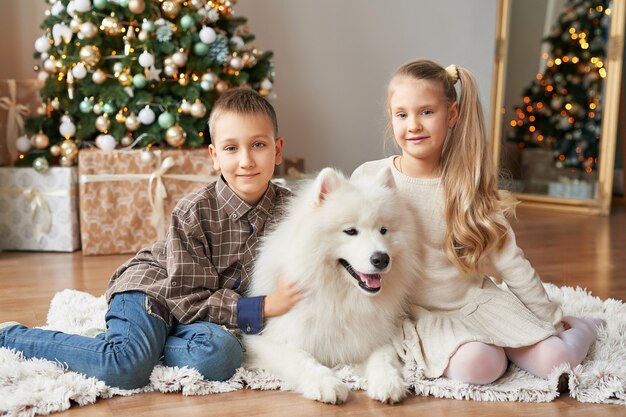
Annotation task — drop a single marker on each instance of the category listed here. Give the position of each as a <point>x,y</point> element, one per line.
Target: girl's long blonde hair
<point>474,207</point>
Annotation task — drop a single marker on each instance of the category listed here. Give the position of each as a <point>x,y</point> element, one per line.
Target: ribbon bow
<point>38,201</point>
<point>15,114</point>
<point>157,200</point>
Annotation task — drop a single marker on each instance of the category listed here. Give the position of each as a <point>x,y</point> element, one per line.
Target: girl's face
<point>420,118</point>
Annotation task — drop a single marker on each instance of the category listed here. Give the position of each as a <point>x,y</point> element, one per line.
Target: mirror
<point>558,66</point>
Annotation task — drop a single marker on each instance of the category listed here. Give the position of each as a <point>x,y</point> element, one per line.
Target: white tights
<point>480,363</point>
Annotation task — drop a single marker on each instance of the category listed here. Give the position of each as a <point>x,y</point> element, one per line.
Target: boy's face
<point>245,151</point>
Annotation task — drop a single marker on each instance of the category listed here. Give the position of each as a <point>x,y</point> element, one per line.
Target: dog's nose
<point>380,260</point>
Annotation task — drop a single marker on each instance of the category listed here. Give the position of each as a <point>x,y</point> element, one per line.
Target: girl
<point>465,327</point>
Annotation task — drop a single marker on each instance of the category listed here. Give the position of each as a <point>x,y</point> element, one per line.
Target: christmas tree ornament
<point>70,85</point>
<point>166,120</point>
<point>139,81</point>
<point>85,106</point>
<point>143,36</point>
<point>89,55</point>
<point>200,49</point>
<point>103,123</point>
<point>198,109</point>
<point>99,76</point>
<point>125,79</point>
<point>266,84</point>
<point>108,108</point>
<point>42,44</point>
<point>89,30</point>
<point>57,8</point>
<point>221,86</point>
<point>187,22</point>
<point>61,33</point>
<point>42,76</point>
<point>55,150</point>
<point>152,73</point>
<point>236,63</point>
<point>132,122</point>
<point>237,42</point>
<point>207,35</point>
<point>100,4</point>
<point>79,71</point>
<point>50,65</point>
<point>67,129</point>
<point>69,149</point>
<point>120,117</point>
<point>170,70</point>
<point>118,67</point>
<point>55,103</point>
<point>183,80</point>
<point>179,59</point>
<point>41,109</point>
<point>175,136</point>
<point>126,141</point>
<point>111,26</point>
<point>106,143</point>
<point>206,85</point>
<point>41,164</point>
<point>23,144</point>
<point>82,6</point>
<point>40,140</point>
<point>170,8</point>
<point>146,115</point>
<point>97,108</point>
<point>137,6</point>
<point>75,25</point>
<point>66,161</point>
<point>146,59</point>
<point>146,157</point>
<point>185,107</point>
<point>148,25</point>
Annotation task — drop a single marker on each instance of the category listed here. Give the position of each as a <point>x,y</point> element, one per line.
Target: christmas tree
<point>562,107</point>
<point>136,73</point>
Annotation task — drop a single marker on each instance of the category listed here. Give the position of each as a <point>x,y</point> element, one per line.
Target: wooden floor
<point>566,249</point>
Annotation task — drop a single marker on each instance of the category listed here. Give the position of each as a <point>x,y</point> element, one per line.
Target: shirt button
<point>174,283</point>
<point>248,329</point>
<point>234,215</point>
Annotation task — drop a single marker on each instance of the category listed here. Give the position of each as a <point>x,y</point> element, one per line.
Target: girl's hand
<point>287,294</point>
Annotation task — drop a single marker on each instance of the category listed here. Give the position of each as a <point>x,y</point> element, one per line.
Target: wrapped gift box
<point>18,100</point>
<point>127,197</point>
<point>39,211</point>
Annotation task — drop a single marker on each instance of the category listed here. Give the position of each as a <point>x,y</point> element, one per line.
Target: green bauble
<point>187,22</point>
<point>139,80</point>
<point>100,4</point>
<point>86,106</point>
<point>166,120</point>
<point>147,25</point>
<point>206,85</point>
<point>108,108</point>
<point>201,49</point>
<point>41,164</point>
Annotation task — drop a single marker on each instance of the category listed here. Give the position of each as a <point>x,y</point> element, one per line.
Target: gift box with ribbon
<point>127,196</point>
<point>39,211</point>
<point>18,99</point>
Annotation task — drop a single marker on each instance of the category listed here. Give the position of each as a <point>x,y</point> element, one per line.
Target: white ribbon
<point>157,199</point>
<point>15,113</point>
<point>37,203</point>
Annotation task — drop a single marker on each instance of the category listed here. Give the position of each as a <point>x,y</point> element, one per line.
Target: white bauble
<point>75,25</point>
<point>99,76</point>
<point>50,65</point>
<point>82,5</point>
<point>23,144</point>
<point>210,76</point>
<point>237,42</point>
<point>106,142</point>
<point>236,63</point>
<point>44,56</point>
<point>57,8</point>
<point>179,59</point>
<point>67,129</point>
<point>79,71</point>
<point>146,59</point>
<point>146,115</point>
<point>66,118</point>
<point>42,44</point>
<point>89,29</point>
<point>71,8</point>
<point>207,35</point>
<point>42,76</point>
<point>170,70</point>
<point>198,109</point>
<point>146,157</point>
<point>266,84</point>
<point>97,108</point>
<point>143,36</point>
<point>185,107</point>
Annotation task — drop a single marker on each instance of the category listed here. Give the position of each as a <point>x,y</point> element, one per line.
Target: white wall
<point>333,60</point>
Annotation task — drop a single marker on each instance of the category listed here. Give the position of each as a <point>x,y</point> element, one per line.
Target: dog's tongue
<point>371,280</point>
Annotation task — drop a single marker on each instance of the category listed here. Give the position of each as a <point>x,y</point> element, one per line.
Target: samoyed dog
<point>349,245</point>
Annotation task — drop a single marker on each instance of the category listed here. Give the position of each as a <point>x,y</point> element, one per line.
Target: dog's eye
<point>351,231</point>
<point>383,230</point>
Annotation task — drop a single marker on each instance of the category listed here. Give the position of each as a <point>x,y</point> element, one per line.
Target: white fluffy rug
<point>31,387</point>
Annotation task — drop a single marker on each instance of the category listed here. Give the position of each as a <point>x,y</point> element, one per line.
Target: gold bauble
<point>198,109</point>
<point>125,79</point>
<point>111,26</point>
<point>68,150</point>
<point>102,123</point>
<point>126,141</point>
<point>221,86</point>
<point>120,117</point>
<point>42,109</point>
<point>65,161</point>
<point>183,81</point>
<point>40,140</point>
<point>55,150</point>
<point>137,6</point>
<point>89,55</point>
<point>170,8</point>
<point>132,122</point>
<point>175,136</point>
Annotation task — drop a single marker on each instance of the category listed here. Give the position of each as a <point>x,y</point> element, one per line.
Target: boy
<point>171,300</point>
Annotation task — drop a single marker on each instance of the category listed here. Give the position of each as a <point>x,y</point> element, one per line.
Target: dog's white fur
<point>337,322</point>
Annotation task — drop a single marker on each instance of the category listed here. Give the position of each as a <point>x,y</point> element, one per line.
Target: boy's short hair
<point>242,101</point>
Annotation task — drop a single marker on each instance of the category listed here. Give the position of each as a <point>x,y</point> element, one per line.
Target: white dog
<point>348,245</point>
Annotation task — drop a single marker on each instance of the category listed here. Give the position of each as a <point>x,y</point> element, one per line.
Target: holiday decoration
<point>126,197</point>
<point>39,208</point>
<point>113,67</point>
<point>562,107</point>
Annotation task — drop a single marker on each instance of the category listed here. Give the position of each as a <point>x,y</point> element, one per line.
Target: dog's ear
<point>327,181</point>
<point>384,177</point>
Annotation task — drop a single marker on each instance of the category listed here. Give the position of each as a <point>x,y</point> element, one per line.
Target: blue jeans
<point>137,336</point>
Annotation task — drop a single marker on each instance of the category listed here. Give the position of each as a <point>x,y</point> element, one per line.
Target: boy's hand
<point>287,294</point>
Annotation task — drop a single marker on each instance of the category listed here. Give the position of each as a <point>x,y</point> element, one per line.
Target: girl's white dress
<point>449,309</point>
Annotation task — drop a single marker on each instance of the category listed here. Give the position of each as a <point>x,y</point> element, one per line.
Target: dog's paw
<point>327,389</point>
<point>390,389</point>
